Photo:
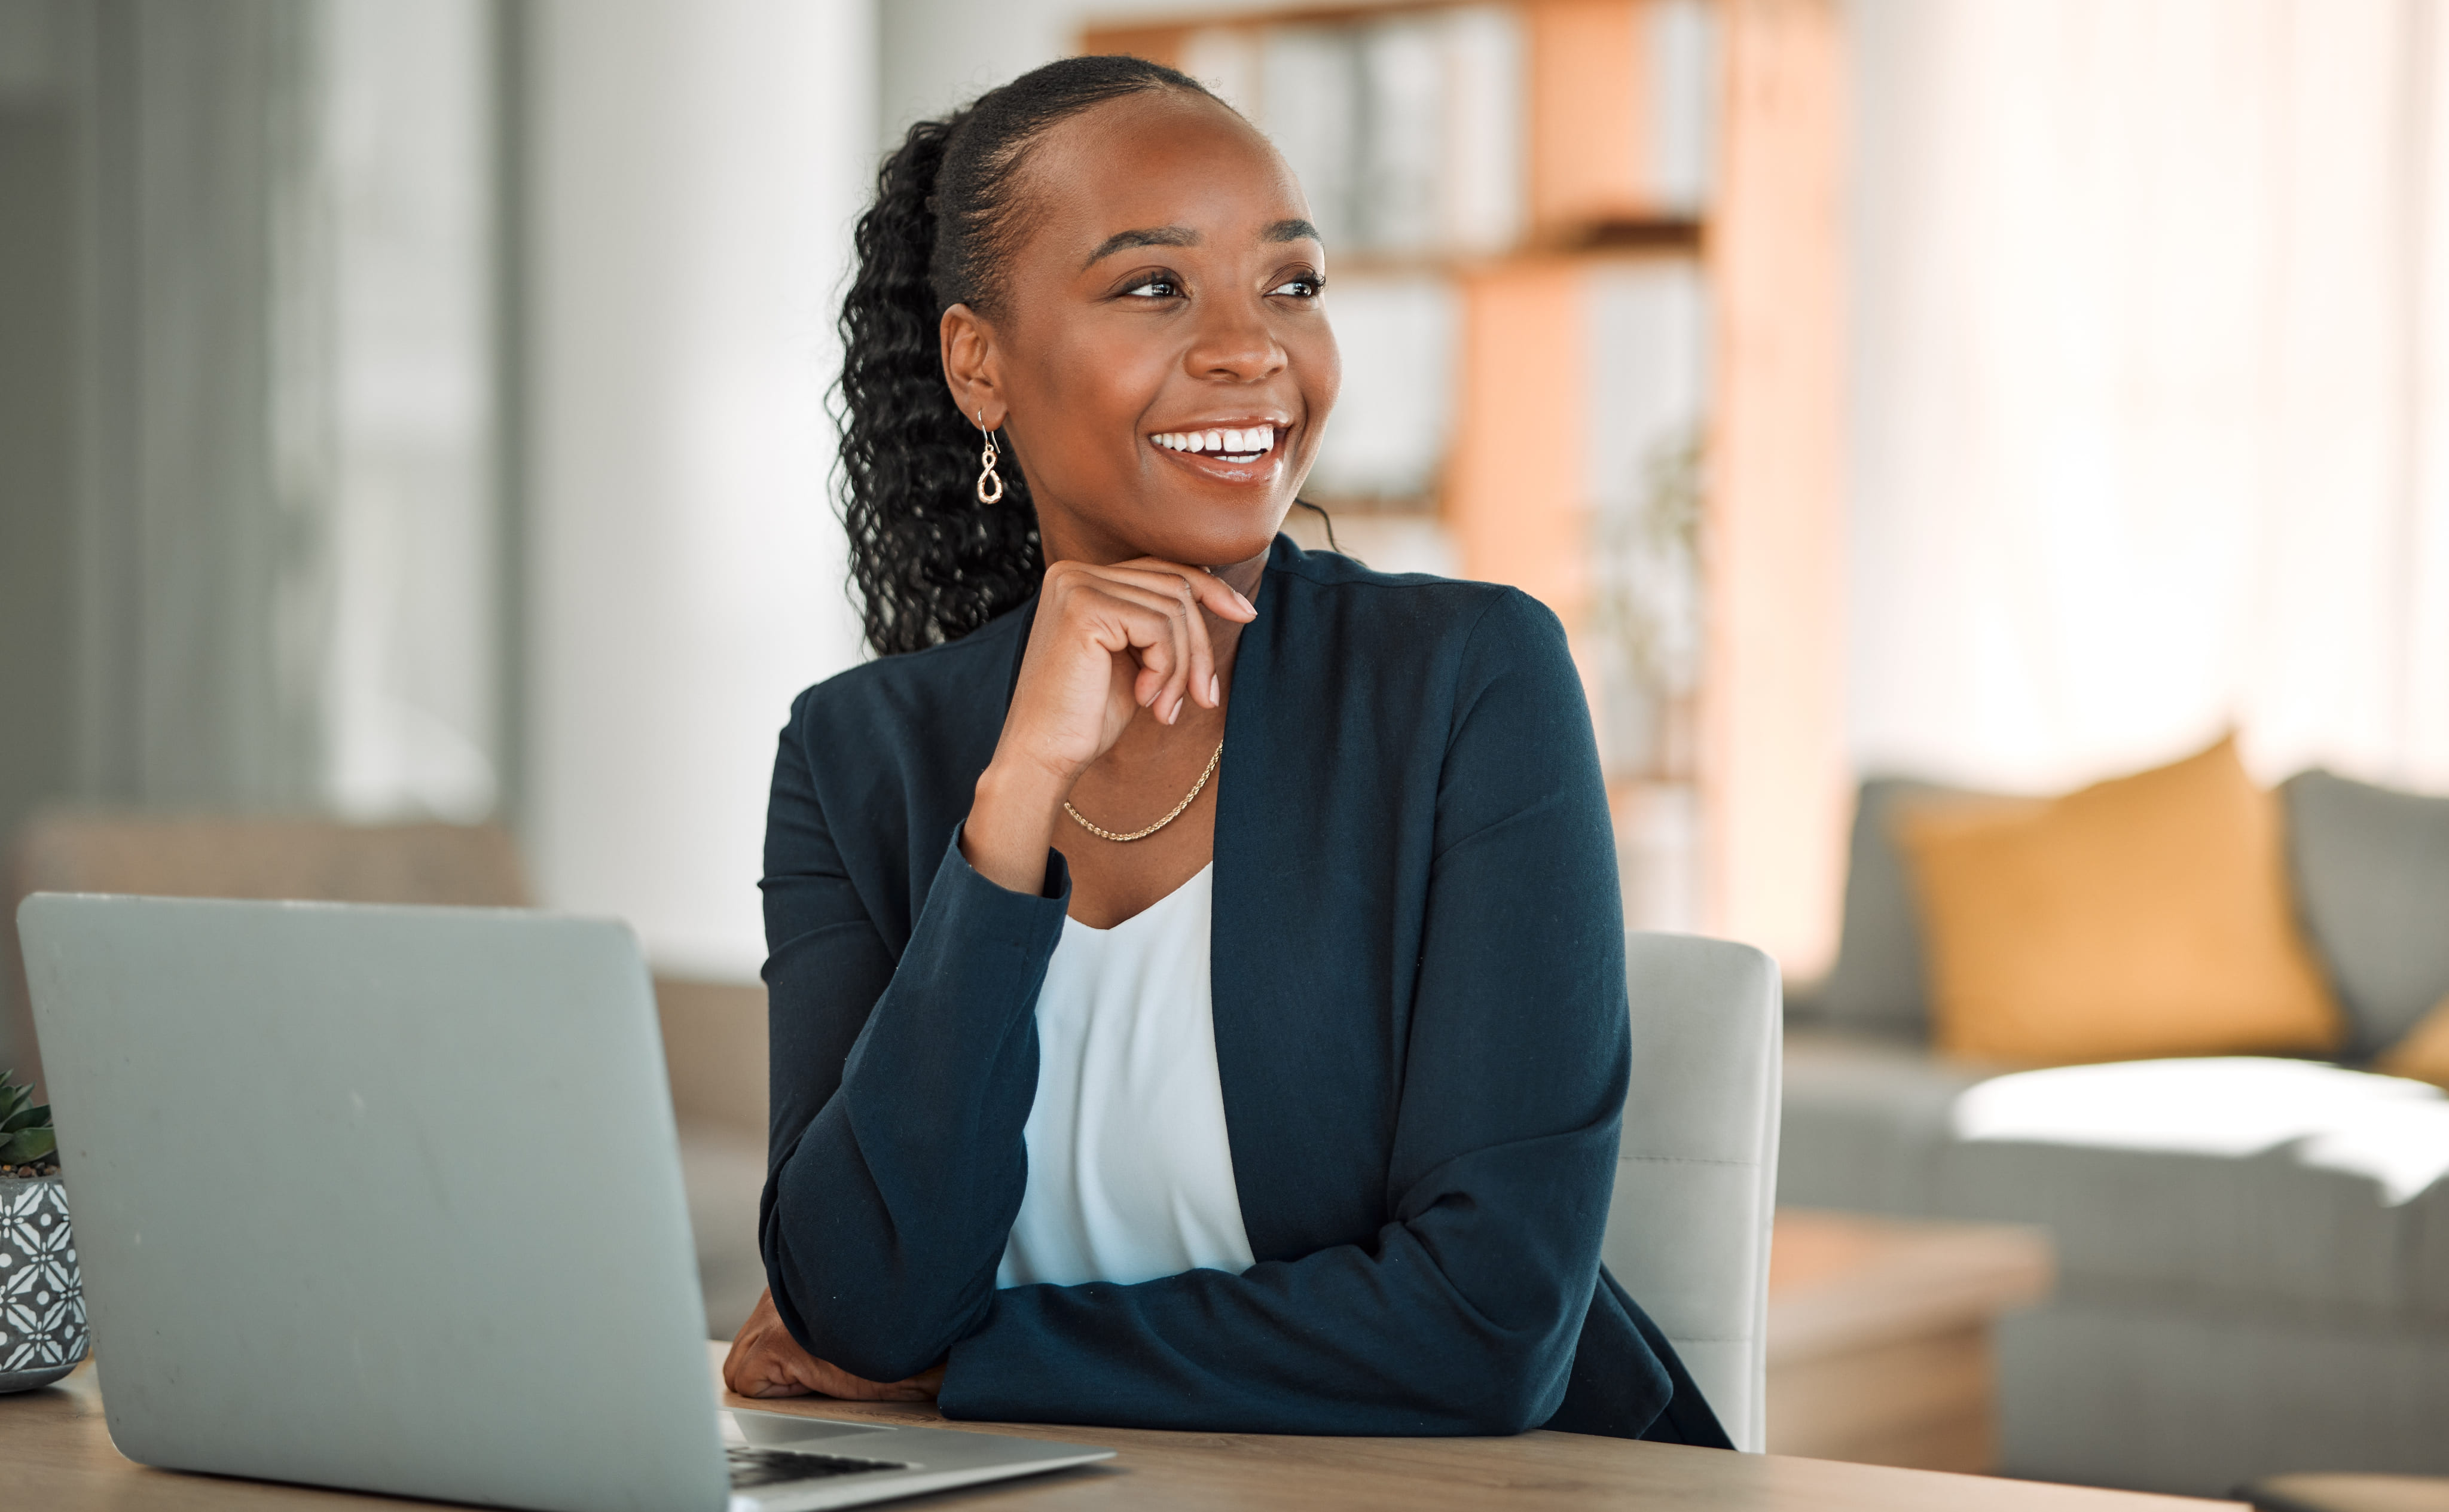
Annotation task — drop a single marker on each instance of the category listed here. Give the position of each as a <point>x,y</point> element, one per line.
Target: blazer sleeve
<point>1461,1314</point>
<point>900,1092</point>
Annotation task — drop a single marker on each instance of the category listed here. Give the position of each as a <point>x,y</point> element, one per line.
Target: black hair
<point>929,562</point>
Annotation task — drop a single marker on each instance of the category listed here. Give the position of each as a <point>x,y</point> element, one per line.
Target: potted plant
<point>42,1298</point>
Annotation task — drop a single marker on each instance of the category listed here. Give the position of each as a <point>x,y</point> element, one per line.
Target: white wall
<point>936,55</point>
<point>402,216</point>
<point>696,165</point>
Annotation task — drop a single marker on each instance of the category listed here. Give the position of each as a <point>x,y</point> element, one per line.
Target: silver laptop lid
<point>384,1198</point>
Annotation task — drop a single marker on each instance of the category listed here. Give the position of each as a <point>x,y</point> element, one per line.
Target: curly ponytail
<point>929,562</point>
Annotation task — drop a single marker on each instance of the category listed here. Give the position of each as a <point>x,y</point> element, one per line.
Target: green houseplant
<point>42,1295</point>
<point>29,1145</point>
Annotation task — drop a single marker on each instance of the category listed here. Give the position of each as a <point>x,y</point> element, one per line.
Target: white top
<point>1131,1177</point>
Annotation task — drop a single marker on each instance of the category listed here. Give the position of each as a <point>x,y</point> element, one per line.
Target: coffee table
<point>1879,1347</point>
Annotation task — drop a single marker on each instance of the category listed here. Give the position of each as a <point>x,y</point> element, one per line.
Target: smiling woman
<point>1289,1103</point>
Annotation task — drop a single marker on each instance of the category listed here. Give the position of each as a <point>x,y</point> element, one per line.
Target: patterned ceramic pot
<point>41,1297</point>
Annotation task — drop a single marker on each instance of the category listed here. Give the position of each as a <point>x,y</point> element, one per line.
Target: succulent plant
<point>27,1136</point>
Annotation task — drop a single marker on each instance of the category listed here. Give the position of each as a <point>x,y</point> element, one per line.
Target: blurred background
<point>414,414</point>
<point>417,410</point>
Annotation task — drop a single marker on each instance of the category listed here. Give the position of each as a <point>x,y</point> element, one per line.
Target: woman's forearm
<point>885,1218</point>
<point>1459,1317</point>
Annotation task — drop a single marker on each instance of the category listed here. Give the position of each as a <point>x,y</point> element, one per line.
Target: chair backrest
<point>242,856</point>
<point>1696,1175</point>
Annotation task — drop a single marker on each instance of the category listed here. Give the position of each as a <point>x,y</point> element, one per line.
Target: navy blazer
<point>1421,1033</point>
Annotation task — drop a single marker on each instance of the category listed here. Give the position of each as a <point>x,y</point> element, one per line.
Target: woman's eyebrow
<point>1185,237</point>
<point>1145,236</point>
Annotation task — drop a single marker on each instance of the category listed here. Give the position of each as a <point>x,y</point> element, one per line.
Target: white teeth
<point>1253,441</point>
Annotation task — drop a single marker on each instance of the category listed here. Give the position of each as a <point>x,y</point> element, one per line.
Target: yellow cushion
<point>2144,916</point>
<point>2425,1053</point>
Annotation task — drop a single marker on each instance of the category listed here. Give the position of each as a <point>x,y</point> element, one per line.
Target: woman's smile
<point>1238,452</point>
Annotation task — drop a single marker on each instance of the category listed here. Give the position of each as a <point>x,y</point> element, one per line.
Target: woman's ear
<point>970,365</point>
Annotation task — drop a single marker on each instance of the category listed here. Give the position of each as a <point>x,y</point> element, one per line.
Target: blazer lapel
<point>1301,1051</point>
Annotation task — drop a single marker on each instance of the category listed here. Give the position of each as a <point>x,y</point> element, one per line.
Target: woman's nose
<point>1236,345</point>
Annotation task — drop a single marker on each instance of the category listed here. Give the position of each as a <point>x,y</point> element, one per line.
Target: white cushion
<point>2261,1179</point>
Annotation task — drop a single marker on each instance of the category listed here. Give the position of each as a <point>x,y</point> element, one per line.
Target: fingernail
<point>1173,713</point>
<point>1246,604</point>
<point>1215,688</point>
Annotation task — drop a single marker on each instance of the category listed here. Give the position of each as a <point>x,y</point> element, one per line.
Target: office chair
<point>1687,1233</point>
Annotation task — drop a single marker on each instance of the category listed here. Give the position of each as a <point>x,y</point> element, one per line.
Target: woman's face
<point>1166,289</point>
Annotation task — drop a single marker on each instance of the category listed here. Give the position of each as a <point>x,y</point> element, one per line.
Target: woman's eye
<point>1303,287</point>
<point>1160,287</point>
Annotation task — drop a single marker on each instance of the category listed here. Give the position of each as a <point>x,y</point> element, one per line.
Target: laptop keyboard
<point>752,1467</point>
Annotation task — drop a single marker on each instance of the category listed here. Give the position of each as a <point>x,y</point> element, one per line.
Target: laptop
<point>390,1198</point>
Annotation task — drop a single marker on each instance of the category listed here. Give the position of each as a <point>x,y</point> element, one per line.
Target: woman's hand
<point>766,1361</point>
<point>1107,642</point>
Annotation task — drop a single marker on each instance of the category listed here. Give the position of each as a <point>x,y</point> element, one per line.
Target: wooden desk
<point>55,1456</point>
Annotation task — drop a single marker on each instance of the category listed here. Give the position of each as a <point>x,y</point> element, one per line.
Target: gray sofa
<point>2254,1254</point>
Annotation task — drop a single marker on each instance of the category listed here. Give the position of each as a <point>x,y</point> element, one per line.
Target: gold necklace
<point>1140,835</point>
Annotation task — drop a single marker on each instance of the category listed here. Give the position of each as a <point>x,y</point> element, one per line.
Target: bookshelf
<point>1587,265</point>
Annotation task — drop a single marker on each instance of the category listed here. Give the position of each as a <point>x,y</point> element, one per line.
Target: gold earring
<point>990,481</point>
